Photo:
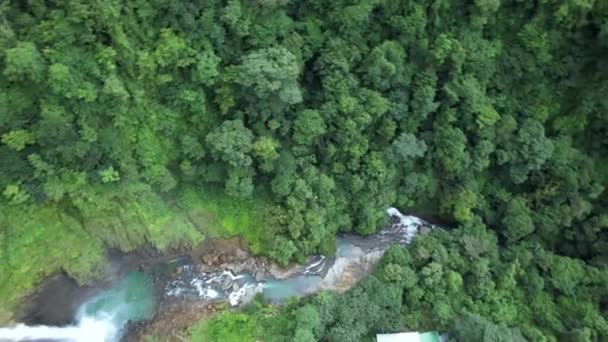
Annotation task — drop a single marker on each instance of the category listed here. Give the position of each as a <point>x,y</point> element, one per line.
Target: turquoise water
<point>101,318</point>
<point>279,290</point>
<point>131,299</point>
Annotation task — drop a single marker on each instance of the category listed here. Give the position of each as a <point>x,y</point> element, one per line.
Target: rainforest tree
<point>119,119</point>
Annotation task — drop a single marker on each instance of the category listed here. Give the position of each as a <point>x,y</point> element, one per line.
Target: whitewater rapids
<point>88,329</point>
<point>103,318</point>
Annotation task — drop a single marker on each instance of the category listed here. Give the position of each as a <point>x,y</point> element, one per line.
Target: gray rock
<point>241,254</point>
<point>260,275</point>
<point>226,283</point>
<point>424,230</point>
<point>234,267</point>
<point>251,292</point>
<point>249,265</point>
<point>235,286</point>
<point>282,273</point>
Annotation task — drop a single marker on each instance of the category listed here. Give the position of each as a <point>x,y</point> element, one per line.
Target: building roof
<point>432,336</point>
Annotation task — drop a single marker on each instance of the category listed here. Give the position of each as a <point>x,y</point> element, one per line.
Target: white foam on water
<point>211,293</point>
<point>105,329</point>
<point>409,224</point>
<point>232,276</point>
<point>88,329</point>
<point>312,268</point>
<point>198,284</point>
<point>204,292</point>
<point>235,297</point>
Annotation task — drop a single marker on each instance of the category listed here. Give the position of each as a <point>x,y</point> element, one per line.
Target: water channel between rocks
<point>103,317</point>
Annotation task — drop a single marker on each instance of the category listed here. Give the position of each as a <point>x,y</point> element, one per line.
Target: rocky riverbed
<point>219,273</point>
<point>198,287</point>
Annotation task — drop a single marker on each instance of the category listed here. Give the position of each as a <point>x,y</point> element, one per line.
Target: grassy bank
<point>40,241</point>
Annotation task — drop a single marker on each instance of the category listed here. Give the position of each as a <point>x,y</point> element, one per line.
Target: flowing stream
<point>103,317</point>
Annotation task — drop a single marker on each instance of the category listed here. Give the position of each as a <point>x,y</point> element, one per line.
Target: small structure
<point>431,336</point>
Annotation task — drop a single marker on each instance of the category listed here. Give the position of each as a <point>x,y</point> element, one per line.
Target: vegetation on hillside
<point>459,282</point>
<point>491,113</point>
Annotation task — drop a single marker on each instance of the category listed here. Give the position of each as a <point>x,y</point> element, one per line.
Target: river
<point>103,317</point>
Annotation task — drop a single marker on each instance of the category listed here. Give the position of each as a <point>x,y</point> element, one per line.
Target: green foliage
<point>17,140</point>
<point>14,194</point>
<point>517,221</point>
<point>109,175</point>
<point>454,282</point>
<point>308,126</point>
<point>271,72</point>
<point>266,149</point>
<point>461,203</point>
<point>473,327</point>
<point>39,241</point>
<point>228,326</point>
<point>231,142</point>
<point>217,215</point>
<point>407,147</point>
<point>24,62</point>
<point>313,117</point>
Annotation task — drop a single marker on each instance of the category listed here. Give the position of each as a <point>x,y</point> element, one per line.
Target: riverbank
<point>165,294</point>
<point>172,322</point>
<point>84,242</point>
<point>356,257</point>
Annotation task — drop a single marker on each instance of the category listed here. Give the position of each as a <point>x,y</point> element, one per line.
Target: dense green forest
<point>160,122</point>
<point>460,283</point>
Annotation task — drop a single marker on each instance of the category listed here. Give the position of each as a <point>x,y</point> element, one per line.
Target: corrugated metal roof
<point>432,336</point>
<point>400,337</point>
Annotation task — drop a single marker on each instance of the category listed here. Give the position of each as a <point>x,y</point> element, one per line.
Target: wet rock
<point>203,268</point>
<point>345,272</point>
<point>235,267</point>
<point>226,283</point>
<point>424,230</point>
<point>209,259</point>
<point>241,254</point>
<point>56,302</point>
<point>260,275</point>
<point>250,293</point>
<point>249,265</point>
<point>235,287</point>
<point>282,273</point>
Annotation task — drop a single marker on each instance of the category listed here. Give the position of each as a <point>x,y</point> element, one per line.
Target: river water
<point>103,317</point>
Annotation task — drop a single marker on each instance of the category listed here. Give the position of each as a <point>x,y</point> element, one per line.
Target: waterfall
<point>103,317</point>
<point>88,329</point>
<point>409,224</point>
<point>99,319</point>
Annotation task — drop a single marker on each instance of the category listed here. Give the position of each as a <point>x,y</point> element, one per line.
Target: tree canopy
<point>113,113</point>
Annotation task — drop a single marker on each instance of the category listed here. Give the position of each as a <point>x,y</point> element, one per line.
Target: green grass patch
<point>257,321</point>
<point>38,241</point>
<point>218,216</point>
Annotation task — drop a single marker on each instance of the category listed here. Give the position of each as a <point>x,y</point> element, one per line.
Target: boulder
<point>281,272</point>
<point>249,265</point>
<point>235,286</point>
<point>424,230</point>
<point>250,293</point>
<point>238,267</point>
<point>226,283</point>
<point>203,268</point>
<point>241,254</point>
<point>259,275</point>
